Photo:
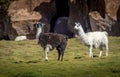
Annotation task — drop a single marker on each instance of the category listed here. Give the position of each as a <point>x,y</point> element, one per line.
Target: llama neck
<point>82,35</point>
<point>39,31</point>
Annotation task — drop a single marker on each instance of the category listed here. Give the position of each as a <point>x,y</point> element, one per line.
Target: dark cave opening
<point>97,5</point>
<point>62,10</point>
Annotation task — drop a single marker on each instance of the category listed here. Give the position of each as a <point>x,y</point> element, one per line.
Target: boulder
<point>110,21</point>
<point>23,16</point>
<point>61,26</point>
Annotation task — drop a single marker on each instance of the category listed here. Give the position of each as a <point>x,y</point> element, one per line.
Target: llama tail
<point>105,33</point>
<point>66,37</point>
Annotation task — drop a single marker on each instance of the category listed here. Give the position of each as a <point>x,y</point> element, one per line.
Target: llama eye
<point>37,25</point>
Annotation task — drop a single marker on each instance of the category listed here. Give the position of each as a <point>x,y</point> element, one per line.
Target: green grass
<point>26,59</point>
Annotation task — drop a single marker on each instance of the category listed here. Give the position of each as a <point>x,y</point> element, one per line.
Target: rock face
<point>94,15</point>
<point>113,10</point>
<point>23,15</point>
<point>1,30</point>
<point>4,28</point>
<point>22,19</point>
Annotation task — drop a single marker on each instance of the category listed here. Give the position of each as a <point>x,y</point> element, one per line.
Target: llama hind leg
<point>107,50</point>
<point>63,46</point>
<point>59,55</point>
<point>60,49</point>
<point>59,52</point>
<point>101,49</point>
<point>90,50</point>
<point>62,54</point>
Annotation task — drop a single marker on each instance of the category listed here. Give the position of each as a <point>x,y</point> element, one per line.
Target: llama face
<point>39,25</point>
<point>77,26</point>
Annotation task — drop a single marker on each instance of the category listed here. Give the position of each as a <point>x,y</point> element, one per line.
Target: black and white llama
<point>49,41</point>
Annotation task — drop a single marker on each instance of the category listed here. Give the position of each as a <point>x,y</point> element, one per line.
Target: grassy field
<point>26,59</point>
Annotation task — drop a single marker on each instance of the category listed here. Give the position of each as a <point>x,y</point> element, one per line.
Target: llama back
<point>96,34</point>
<point>98,38</point>
<point>52,39</point>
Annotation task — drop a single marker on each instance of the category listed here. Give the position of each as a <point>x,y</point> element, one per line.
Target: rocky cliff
<point>94,15</point>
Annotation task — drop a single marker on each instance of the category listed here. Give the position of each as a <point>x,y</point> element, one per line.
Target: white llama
<point>93,39</point>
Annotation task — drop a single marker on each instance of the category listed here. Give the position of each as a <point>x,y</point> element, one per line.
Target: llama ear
<point>43,23</point>
<point>79,24</point>
<point>76,23</point>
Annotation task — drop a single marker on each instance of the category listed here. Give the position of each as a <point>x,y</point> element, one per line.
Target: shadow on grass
<point>29,74</point>
<point>80,57</point>
<point>34,61</point>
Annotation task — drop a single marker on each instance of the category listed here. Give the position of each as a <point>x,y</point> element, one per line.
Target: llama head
<point>39,25</point>
<point>77,26</point>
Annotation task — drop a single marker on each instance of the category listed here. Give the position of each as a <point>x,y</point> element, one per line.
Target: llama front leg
<point>59,52</point>
<point>90,50</point>
<point>46,53</point>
